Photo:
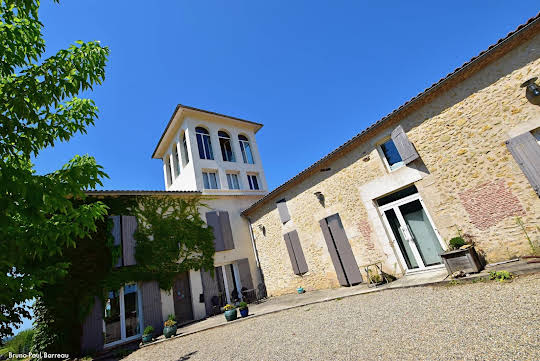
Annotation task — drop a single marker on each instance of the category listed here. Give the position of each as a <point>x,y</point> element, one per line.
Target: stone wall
<point>465,175</point>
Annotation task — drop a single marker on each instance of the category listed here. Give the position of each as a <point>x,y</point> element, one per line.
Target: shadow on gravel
<point>187,356</point>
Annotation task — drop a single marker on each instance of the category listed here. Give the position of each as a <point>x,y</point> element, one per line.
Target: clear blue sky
<point>315,73</point>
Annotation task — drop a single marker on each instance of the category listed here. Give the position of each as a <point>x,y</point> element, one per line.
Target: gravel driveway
<point>480,321</point>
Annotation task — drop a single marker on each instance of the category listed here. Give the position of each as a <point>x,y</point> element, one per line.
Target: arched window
<point>226,148</point>
<point>176,161</point>
<point>246,149</point>
<point>204,143</point>
<point>186,154</point>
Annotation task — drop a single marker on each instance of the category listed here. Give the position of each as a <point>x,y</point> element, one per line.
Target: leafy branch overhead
<point>39,107</point>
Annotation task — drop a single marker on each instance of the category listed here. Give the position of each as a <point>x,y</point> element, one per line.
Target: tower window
<point>225,145</point>
<point>246,149</point>
<point>204,143</point>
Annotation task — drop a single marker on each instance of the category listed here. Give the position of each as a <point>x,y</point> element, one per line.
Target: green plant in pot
<point>147,334</point>
<point>230,312</point>
<point>170,327</point>
<point>244,310</point>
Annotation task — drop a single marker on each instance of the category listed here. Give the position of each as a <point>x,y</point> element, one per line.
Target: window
<point>210,180</point>
<point>391,155</point>
<point>122,314</point>
<point>168,169</point>
<point>186,153</point>
<point>253,183</point>
<point>204,143</point>
<point>246,149</point>
<point>232,181</point>
<point>176,161</point>
<point>225,145</point>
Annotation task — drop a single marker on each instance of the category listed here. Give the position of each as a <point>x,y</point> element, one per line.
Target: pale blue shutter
<point>403,145</point>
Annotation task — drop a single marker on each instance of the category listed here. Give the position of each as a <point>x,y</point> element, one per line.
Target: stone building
<point>461,157</point>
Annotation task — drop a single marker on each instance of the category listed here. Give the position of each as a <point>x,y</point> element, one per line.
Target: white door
<point>413,233</point>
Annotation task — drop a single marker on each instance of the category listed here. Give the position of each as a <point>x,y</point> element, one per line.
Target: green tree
<point>38,107</point>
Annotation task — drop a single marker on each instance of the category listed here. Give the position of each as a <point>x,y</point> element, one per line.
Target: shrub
<point>500,276</point>
<point>457,242</point>
<point>148,330</point>
<point>242,305</point>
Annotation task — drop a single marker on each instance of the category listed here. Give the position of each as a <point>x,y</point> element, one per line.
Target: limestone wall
<point>465,175</point>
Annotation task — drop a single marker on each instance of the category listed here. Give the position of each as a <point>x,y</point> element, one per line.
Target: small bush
<point>500,276</point>
<point>242,305</point>
<point>148,330</point>
<point>456,242</point>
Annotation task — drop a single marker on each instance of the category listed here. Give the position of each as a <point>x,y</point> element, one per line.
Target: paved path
<point>476,321</point>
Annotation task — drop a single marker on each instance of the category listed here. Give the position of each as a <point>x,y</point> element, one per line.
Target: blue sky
<point>315,73</point>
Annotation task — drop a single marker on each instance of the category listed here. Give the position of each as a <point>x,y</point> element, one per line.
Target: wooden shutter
<point>344,249</point>
<point>404,147</point>
<point>526,151</point>
<point>212,219</point>
<point>298,252</point>
<point>92,330</point>
<point>226,231</point>
<point>210,289</point>
<point>117,234</point>
<point>340,272</point>
<point>151,306</point>
<point>283,211</point>
<point>245,273</point>
<point>290,249</point>
<point>129,225</point>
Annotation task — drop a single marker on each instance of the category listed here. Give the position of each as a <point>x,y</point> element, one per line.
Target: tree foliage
<point>39,106</point>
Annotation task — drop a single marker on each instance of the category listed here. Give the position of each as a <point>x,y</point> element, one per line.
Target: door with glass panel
<point>122,319</point>
<point>411,228</point>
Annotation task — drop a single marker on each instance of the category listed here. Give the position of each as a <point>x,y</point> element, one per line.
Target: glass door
<point>122,319</point>
<point>413,232</point>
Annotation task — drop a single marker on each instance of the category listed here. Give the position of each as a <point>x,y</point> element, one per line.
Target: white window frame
<point>123,337</point>
<point>242,143</point>
<point>385,161</point>
<point>210,148</point>
<point>250,182</point>
<point>176,161</point>
<point>223,156</point>
<point>168,170</point>
<point>230,180</point>
<point>208,172</point>
<point>184,150</point>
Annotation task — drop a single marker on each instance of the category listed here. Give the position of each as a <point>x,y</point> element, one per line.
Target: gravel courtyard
<point>480,321</point>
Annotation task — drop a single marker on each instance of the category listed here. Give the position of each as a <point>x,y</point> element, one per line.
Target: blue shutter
<point>404,147</point>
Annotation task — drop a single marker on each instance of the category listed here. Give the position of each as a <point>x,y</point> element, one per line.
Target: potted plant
<point>147,334</point>
<point>230,312</point>
<point>461,256</point>
<point>300,290</point>
<point>170,327</point>
<point>244,310</point>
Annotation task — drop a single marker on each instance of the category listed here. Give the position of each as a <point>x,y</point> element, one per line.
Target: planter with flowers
<point>244,310</point>
<point>230,312</point>
<point>170,327</point>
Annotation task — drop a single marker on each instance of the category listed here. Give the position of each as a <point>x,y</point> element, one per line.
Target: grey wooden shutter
<point>245,273</point>
<point>92,330</point>
<point>404,147</point>
<point>210,289</point>
<point>212,219</point>
<point>226,231</point>
<point>290,249</point>
<point>344,249</point>
<point>117,234</point>
<point>340,272</point>
<point>129,225</point>
<point>298,253</point>
<point>526,151</point>
<point>283,211</point>
<point>151,306</point>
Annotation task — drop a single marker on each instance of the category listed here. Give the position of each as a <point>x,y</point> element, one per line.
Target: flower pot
<point>230,315</point>
<point>465,260</point>
<point>170,331</point>
<point>300,290</point>
<point>147,338</point>
<point>244,312</point>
